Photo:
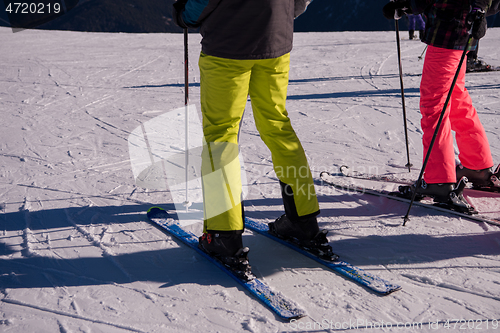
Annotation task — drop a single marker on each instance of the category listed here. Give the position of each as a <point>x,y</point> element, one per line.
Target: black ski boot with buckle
<point>305,234</point>
<point>228,249</point>
<point>446,195</point>
<point>484,179</point>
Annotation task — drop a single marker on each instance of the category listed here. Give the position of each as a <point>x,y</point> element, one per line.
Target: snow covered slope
<point>77,254</point>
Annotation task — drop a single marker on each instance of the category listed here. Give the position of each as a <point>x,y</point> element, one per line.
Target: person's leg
<point>268,90</point>
<point>420,25</point>
<point>411,25</point>
<point>474,149</point>
<point>437,75</point>
<point>471,138</point>
<point>224,90</point>
<point>419,22</point>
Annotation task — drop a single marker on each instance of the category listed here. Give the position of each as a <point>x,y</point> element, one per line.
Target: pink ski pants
<point>440,66</point>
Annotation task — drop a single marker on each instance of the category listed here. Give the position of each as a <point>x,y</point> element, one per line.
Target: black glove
<point>178,9</point>
<point>476,20</point>
<point>394,10</point>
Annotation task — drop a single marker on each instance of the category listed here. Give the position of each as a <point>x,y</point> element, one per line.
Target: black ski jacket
<point>244,29</point>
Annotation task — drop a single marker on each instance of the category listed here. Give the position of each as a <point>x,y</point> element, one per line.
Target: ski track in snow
<point>78,255</point>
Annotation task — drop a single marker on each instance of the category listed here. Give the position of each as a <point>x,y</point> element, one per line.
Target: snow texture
<point>78,255</point>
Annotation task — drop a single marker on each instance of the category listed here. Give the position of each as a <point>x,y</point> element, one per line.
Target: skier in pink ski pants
<point>439,69</point>
<point>446,33</point>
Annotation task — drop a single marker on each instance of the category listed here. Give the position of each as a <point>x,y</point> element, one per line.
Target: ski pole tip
<point>405,219</point>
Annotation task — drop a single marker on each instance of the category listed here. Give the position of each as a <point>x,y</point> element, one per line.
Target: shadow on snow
<point>179,265</point>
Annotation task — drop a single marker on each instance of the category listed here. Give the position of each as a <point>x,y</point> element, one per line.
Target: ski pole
<point>408,165</point>
<point>419,180</point>
<point>420,56</point>
<point>186,101</point>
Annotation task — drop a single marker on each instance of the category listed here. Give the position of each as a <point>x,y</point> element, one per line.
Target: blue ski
<point>354,273</point>
<point>283,307</point>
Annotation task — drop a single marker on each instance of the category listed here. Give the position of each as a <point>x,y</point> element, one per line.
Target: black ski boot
<point>446,195</point>
<point>484,179</point>
<point>477,65</point>
<point>228,249</point>
<point>304,233</point>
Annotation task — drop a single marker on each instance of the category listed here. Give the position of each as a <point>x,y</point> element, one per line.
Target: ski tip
<point>345,170</point>
<point>393,289</point>
<point>288,309</point>
<point>297,316</point>
<point>155,210</point>
<point>343,167</point>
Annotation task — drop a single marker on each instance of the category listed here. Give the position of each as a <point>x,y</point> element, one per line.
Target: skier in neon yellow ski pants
<point>225,87</point>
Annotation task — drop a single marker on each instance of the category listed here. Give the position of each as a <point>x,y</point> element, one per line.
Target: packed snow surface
<point>78,255</point>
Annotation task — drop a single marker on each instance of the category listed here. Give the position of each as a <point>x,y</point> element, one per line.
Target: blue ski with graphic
<point>354,273</point>
<point>283,307</point>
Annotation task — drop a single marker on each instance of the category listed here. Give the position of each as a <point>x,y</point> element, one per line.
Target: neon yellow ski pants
<point>225,86</point>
